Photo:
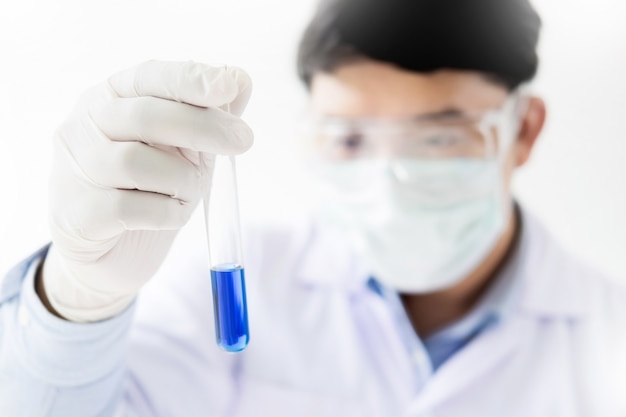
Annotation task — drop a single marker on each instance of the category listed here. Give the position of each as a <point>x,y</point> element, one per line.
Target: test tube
<point>221,210</point>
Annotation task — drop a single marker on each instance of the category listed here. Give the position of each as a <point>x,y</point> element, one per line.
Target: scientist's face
<point>372,89</point>
<point>400,143</point>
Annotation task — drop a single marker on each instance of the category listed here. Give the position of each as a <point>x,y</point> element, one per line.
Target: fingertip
<point>246,136</point>
<point>215,84</point>
<point>241,77</point>
<point>244,90</point>
<point>239,139</point>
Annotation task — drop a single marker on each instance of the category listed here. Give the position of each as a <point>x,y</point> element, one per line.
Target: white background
<point>54,50</point>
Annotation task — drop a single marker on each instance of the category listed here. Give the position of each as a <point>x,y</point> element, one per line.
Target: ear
<point>531,126</point>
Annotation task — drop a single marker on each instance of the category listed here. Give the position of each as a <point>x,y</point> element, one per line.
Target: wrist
<point>71,299</point>
<point>41,291</point>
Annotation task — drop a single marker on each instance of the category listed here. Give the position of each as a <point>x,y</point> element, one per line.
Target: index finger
<point>187,82</point>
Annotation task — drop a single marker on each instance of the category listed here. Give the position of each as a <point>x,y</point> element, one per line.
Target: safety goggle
<point>446,136</point>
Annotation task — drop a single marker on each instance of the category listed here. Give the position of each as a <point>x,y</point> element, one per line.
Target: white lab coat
<point>323,345</point>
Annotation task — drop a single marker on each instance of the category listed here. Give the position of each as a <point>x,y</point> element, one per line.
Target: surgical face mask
<point>420,224</point>
<point>417,238</point>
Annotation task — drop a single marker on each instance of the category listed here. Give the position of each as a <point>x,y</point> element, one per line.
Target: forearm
<point>51,367</point>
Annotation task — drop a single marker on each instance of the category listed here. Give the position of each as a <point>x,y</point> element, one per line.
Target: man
<point>420,289</point>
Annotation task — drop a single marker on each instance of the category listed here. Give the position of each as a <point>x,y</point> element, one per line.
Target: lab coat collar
<point>552,283</point>
<point>549,285</point>
<point>500,342</point>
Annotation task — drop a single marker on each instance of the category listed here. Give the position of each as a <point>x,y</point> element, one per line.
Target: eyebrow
<point>443,114</point>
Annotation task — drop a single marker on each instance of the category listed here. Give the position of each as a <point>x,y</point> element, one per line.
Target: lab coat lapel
<point>467,367</point>
<point>379,330</point>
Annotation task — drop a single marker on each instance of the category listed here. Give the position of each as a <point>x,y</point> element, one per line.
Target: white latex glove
<point>126,178</point>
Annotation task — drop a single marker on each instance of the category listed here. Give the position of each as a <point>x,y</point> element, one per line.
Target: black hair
<point>496,37</point>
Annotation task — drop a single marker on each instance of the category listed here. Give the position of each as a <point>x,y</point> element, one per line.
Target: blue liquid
<point>230,307</point>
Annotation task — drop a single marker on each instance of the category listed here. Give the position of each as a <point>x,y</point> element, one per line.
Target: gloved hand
<point>126,178</point>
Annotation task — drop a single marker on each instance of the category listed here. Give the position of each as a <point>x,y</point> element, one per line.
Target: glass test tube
<point>225,255</point>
